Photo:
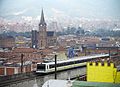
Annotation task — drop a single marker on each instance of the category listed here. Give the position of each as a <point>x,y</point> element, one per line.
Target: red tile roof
<point>24,50</point>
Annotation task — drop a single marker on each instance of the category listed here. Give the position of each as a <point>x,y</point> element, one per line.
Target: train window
<point>67,63</point>
<point>41,66</point>
<point>47,67</point>
<point>59,64</point>
<point>76,62</point>
<point>64,64</point>
<point>80,61</point>
<point>88,60</point>
<point>71,63</point>
<point>52,66</point>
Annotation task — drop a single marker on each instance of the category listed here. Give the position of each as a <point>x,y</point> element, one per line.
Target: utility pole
<point>117,51</point>
<point>22,63</point>
<point>85,51</point>
<point>55,66</point>
<point>109,53</point>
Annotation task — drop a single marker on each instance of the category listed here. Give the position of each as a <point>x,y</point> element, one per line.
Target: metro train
<point>67,64</point>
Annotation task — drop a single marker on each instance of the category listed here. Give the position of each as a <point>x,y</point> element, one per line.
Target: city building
<point>10,61</point>
<point>7,42</point>
<point>42,38</point>
<point>34,38</point>
<point>11,70</point>
<point>22,41</point>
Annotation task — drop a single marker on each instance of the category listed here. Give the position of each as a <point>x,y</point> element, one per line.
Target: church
<point>42,38</point>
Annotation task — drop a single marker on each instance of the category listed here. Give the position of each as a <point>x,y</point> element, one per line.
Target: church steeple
<point>42,20</point>
<point>42,34</point>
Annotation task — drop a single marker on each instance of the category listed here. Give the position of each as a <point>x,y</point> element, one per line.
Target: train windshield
<point>41,67</point>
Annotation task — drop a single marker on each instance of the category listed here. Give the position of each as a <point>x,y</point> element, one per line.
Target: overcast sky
<point>71,8</point>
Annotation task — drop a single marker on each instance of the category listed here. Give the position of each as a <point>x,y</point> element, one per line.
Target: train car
<point>67,64</point>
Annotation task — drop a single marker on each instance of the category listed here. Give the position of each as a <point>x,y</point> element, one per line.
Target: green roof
<point>93,84</point>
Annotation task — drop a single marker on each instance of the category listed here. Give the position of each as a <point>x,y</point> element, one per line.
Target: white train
<point>67,64</point>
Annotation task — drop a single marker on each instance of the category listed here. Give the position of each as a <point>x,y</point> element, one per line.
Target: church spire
<point>42,20</point>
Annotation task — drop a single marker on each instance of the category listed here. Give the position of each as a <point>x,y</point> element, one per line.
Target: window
<point>52,66</point>
<point>41,67</point>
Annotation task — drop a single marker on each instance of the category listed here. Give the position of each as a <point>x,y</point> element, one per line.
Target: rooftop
<point>65,83</point>
<point>22,50</point>
<point>93,84</point>
<point>50,33</point>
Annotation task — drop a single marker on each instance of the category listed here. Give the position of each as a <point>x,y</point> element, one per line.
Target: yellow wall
<point>99,73</point>
<point>117,78</point>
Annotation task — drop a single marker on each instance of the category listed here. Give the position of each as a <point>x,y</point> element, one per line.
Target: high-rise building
<point>34,38</point>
